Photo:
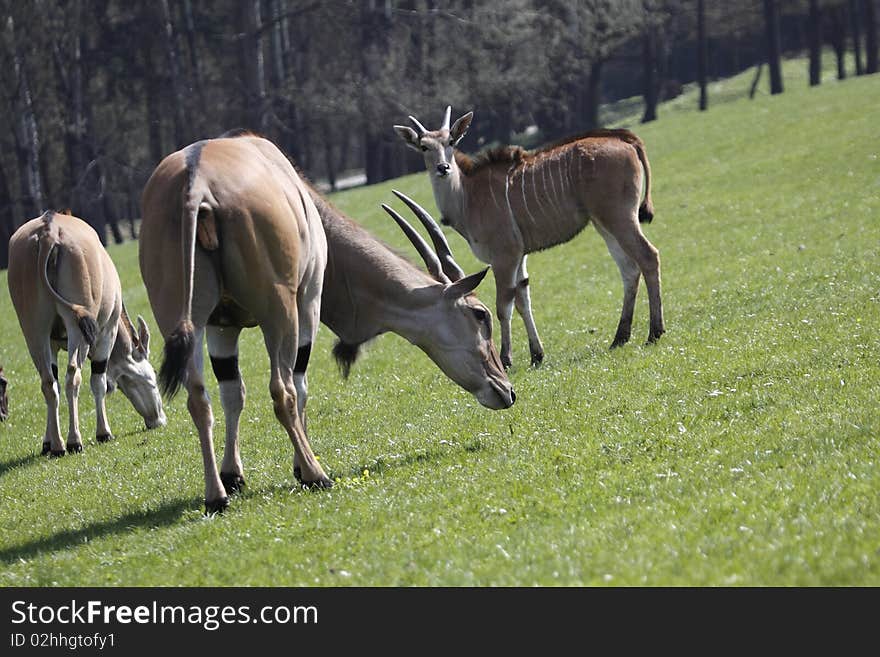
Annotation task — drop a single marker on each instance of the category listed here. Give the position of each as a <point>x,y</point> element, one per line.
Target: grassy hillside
<point>742,449</point>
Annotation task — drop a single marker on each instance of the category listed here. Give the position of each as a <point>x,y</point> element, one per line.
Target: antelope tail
<point>180,344</point>
<point>49,240</point>
<point>646,209</point>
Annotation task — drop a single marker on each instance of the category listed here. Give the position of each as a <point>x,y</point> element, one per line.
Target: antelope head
<point>129,369</point>
<point>436,145</point>
<point>456,328</point>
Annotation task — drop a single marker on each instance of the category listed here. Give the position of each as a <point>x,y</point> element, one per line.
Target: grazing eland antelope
<point>231,239</point>
<point>67,294</point>
<point>4,400</point>
<point>370,290</point>
<point>509,202</point>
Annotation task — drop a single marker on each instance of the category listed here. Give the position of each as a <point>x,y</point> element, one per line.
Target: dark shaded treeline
<point>96,92</point>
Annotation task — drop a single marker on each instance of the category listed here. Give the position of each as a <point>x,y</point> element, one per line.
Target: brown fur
<point>517,155</point>
<point>514,154</point>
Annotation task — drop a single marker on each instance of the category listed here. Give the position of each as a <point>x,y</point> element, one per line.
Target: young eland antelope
<point>230,239</point>
<point>510,202</point>
<point>67,294</point>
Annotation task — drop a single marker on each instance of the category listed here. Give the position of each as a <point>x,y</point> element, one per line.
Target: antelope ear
<point>408,135</point>
<point>143,335</point>
<point>465,285</point>
<point>460,128</point>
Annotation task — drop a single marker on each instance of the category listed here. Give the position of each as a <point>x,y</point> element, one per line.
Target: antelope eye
<point>424,148</point>
<point>480,314</point>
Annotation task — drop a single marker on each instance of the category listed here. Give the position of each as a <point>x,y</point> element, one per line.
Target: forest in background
<point>97,92</point>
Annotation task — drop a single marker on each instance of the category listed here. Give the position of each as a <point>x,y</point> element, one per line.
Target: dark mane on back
<point>515,154</point>
<point>600,133</point>
<point>499,154</point>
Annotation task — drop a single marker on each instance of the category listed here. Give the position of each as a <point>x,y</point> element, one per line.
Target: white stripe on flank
<point>546,189</point>
<point>538,196</point>
<point>492,192</point>
<point>556,193</point>
<point>571,153</point>
<point>522,177</point>
<point>561,184</point>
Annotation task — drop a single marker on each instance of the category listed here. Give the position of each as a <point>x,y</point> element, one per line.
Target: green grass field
<point>741,450</point>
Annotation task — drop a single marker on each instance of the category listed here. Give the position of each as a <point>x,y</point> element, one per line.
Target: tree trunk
<point>838,39</point>
<point>870,37</point>
<point>252,66</point>
<point>27,138</point>
<point>374,27</point>
<point>154,114</point>
<point>194,63</point>
<point>594,95</point>
<point>7,219</point>
<point>771,23</point>
<point>69,71</point>
<point>855,22</point>
<point>329,161</point>
<point>177,89</point>
<point>702,54</point>
<point>649,71</point>
<point>276,44</point>
<point>754,87</point>
<point>815,36</point>
<point>112,219</point>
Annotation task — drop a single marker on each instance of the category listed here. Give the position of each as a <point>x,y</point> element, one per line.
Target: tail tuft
<point>646,213</point>
<point>345,354</point>
<point>178,350</point>
<point>89,329</point>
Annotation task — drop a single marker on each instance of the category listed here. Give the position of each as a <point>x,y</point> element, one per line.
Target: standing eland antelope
<point>67,294</point>
<point>369,290</point>
<point>509,202</point>
<point>230,239</point>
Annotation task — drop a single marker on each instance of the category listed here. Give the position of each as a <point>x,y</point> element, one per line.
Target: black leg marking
<point>302,358</point>
<point>54,371</point>
<point>225,368</point>
<point>318,484</point>
<point>537,357</point>
<point>232,482</point>
<point>217,506</point>
<point>99,366</point>
<point>524,283</point>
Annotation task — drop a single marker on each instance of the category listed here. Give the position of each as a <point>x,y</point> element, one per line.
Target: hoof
<point>216,506</point>
<point>654,336</point>
<point>46,449</point>
<point>74,448</point>
<point>506,362</point>
<point>619,341</point>
<point>57,453</point>
<point>105,438</point>
<point>319,484</point>
<point>537,358</point>
<point>232,482</point>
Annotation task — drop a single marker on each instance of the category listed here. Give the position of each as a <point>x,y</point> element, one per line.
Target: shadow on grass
<point>166,514</point>
<point>34,457</point>
<point>18,461</point>
<point>378,466</point>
